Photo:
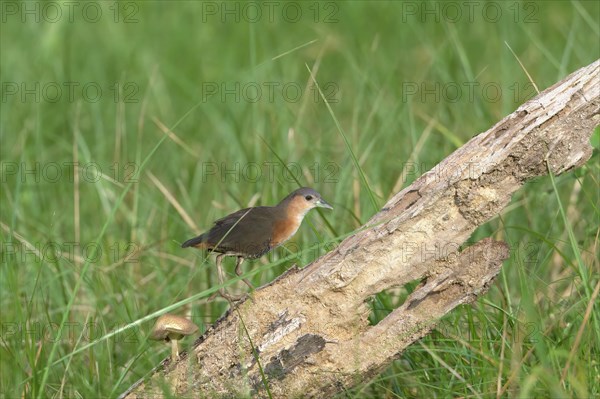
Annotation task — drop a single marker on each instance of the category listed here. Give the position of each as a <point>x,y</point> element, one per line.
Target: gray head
<point>304,199</point>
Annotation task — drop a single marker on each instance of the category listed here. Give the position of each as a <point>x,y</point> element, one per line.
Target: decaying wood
<point>309,328</point>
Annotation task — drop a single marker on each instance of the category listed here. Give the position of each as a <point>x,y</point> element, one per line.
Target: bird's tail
<point>194,242</point>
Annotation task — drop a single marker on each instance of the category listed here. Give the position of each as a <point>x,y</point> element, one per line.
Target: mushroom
<point>172,328</point>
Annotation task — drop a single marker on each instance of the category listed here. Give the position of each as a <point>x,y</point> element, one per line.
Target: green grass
<point>90,257</point>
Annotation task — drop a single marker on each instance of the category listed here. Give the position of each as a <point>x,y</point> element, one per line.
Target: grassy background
<point>91,249</point>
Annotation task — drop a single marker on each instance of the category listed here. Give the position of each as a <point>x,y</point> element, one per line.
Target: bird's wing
<point>232,217</point>
<point>251,234</point>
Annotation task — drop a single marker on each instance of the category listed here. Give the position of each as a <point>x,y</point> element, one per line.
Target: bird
<point>252,232</point>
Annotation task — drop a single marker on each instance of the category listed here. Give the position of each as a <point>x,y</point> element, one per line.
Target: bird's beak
<point>321,203</point>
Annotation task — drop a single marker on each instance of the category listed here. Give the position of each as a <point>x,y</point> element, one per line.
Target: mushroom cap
<point>170,326</point>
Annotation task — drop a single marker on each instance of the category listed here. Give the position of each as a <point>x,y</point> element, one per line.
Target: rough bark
<point>309,329</point>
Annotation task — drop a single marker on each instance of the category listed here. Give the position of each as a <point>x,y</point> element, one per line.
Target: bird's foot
<point>248,283</point>
<point>231,298</point>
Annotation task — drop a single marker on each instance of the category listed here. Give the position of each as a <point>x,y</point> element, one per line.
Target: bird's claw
<point>231,298</point>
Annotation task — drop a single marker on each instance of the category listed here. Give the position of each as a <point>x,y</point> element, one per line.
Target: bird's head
<point>303,200</point>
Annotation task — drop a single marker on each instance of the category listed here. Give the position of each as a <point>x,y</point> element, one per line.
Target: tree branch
<point>309,329</point>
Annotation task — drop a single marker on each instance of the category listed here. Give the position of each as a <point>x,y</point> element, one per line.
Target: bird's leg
<point>220,274</point>
<point>222,292</point>
<point>238,271</point>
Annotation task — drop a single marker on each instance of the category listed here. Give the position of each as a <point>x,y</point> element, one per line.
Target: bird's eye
<point>308,197</point>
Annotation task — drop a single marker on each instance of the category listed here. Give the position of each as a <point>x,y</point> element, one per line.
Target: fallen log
<point>307,333</point>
